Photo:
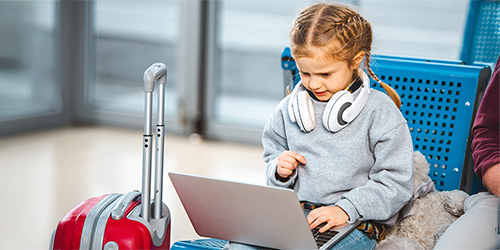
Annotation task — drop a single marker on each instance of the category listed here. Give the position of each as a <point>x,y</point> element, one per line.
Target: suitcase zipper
<point>91,221</point>
<point>100,225</point>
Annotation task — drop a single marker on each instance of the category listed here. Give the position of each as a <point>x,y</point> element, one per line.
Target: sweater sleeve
<point>275,143</point>
<point>485,143</point>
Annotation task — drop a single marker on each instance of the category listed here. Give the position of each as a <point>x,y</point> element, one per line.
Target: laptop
<point>250,214</point>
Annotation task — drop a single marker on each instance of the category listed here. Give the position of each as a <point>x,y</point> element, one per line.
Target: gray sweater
<point>366,168</point>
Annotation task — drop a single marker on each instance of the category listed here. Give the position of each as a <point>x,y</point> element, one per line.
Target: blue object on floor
<point>201,244</point>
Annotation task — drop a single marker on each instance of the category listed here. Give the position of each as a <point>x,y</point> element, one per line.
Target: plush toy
<point>434,212</point>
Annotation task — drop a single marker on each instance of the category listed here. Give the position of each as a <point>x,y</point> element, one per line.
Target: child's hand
<point>334,216</point>
<point>288,162</point>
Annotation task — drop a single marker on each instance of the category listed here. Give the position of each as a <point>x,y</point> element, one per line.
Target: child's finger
<point>319,222</point>
<point>326,227</point>
<point>288,163</point>
<point>323,224</point>
<point>283,172</point>
<point>314,219</point>
<point>298,157</point>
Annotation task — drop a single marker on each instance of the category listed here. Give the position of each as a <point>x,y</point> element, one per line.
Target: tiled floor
<point>44,174</point>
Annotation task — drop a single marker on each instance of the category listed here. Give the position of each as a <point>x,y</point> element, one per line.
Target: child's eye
<point>304,73</point>
<point>325,74</point>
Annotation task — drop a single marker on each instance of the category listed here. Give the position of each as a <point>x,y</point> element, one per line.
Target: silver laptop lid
<point>245,213</point>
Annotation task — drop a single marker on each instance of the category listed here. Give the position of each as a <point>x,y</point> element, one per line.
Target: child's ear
<point>358,59</point>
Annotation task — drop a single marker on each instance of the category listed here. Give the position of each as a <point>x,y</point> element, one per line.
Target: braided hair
<point>337,33</point>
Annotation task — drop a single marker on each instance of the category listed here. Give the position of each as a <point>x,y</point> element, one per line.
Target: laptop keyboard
<point>322,238</point>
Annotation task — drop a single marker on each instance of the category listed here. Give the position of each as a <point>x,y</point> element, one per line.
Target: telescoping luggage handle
<point>155,73</point>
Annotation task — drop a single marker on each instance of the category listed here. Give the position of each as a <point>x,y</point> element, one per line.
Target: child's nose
<point>315,83</point>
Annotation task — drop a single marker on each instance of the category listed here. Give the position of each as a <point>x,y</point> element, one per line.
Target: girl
<point>358,163</point>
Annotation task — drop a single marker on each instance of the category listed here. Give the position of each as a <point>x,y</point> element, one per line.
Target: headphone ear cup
<point>332,116</point>
<point>342,108</point>
<point>304,111</point>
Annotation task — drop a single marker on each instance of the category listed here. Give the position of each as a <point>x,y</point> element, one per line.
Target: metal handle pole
<point>160,141</point>
<point>146,156</point>
<point>156,72</point>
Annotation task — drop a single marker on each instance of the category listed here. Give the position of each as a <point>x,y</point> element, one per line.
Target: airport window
<point>251,36</point>
<point>28,57</point>
<point>127,37</point>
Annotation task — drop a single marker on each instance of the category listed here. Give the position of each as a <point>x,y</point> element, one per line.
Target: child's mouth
<point>321,93</point>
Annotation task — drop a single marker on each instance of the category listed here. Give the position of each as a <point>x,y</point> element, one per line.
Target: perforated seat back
<point>439,101</point>
<point>481,41</point>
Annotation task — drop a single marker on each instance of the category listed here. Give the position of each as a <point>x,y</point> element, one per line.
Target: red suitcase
<point>123,221</point>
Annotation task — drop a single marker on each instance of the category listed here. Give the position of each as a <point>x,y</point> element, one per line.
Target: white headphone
<point>340,110</point>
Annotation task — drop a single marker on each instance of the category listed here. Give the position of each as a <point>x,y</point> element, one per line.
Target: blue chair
<point>481,41</point>
<point>439,100</point>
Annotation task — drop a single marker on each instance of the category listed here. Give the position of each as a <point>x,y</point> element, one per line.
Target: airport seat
<point>481,42</point>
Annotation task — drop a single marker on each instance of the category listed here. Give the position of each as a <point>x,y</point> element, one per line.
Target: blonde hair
<point>337,33</point>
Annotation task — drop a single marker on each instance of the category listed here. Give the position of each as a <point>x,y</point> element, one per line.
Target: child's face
<point>324,77</point>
